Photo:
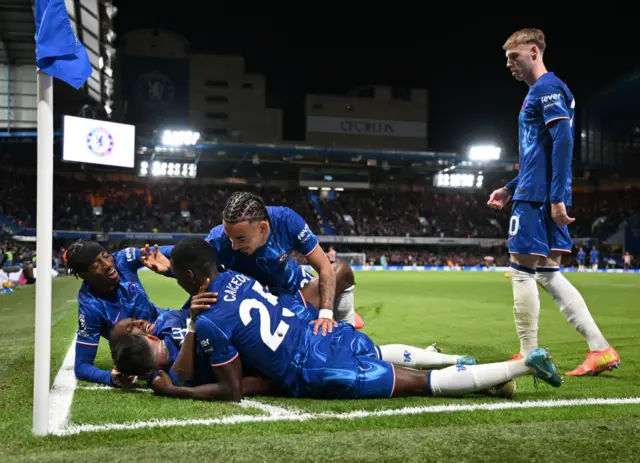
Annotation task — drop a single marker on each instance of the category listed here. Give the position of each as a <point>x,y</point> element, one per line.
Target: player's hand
<point>120,380</point>
<point>499,198</point>
<point>203,300</point>
<point>559,214</point>
<point>324,325</point>
<point>162,383</point>
<point>154,260</point>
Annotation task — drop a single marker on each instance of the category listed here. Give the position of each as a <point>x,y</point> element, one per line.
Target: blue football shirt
<point>271,264</point>
<point>548,100</point>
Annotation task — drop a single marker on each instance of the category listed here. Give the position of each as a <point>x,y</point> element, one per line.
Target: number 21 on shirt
<point>272,340</point>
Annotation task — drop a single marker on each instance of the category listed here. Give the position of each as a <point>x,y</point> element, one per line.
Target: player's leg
<point>572,305</point>
<point>399,354</point>
<point>527,244</point>
<point>460,379</point>
<point>417,357</point>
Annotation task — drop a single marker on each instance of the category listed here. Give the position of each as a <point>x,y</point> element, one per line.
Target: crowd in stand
<point>194,208</point>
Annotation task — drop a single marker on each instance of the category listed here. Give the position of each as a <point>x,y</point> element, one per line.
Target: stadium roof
<point>17,31</point>
<point>91,19</point>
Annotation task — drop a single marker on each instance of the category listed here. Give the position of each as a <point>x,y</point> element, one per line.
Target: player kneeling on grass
<point>144,348</point>
<point>247,321</point>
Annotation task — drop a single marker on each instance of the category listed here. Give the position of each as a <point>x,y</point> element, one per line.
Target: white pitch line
<point>61,394</point>
<point>103,387</point>
<point>271,410</point>
<point>246,403</point>
<point>238,419</point>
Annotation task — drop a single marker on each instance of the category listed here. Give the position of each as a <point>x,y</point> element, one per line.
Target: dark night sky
<point>472,95</point>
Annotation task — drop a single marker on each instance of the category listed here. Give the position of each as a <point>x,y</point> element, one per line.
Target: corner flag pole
<point>59,54</point>
<point>44,250</point>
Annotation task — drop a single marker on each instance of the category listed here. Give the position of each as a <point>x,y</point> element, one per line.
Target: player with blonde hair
<point>541,193</point>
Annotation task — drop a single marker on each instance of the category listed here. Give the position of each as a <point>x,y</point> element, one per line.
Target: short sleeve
<point>303,239</point>
<point>214,343</point>
<point>554,106</point>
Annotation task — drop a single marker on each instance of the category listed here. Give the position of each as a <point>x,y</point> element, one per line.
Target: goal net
<point>353,258</point>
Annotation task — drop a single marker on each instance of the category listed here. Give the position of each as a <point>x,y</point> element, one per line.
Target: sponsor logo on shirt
<point>305,234</point>
<point>553,97</point>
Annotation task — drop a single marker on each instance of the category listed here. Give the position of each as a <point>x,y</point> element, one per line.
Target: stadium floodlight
<point>180,137</point>
<point>484,153</point>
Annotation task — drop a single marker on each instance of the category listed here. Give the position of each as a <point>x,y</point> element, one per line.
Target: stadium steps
<point>9,225</point>
<point>328,230</point>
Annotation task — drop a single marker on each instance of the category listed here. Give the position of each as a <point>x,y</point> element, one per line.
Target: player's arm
<point>87,341</point>
<point>561,155</point>
<point>224,389</point>
<point>326,276</point>
<point>558,121</point>
<point>184,366</point>
<point>513,184</point>
<point>306,242</point>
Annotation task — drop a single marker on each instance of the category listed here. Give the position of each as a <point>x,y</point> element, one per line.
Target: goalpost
<point>353,258</point>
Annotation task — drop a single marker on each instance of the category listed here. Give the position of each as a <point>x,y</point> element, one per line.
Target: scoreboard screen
<point>172,169</point>
<point>458,180</point>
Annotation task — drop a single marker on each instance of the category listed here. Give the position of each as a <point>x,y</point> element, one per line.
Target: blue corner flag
<point>58,52</point>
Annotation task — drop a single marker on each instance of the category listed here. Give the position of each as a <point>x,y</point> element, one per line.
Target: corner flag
<point>59,53</point>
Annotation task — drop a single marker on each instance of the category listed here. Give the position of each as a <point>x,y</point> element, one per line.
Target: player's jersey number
<point>272,340</point>
<point>514,224</point>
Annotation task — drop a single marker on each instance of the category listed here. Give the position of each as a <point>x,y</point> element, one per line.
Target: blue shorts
<point>533,231</point>
<point>344,365</point>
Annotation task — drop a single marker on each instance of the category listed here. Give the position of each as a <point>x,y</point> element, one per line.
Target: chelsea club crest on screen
<point>100,142</point>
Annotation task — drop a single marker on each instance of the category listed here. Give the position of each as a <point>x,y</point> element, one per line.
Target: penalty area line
<point>73,429</point>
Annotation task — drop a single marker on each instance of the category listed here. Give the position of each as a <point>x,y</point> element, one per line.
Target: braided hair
<point>242,206</point>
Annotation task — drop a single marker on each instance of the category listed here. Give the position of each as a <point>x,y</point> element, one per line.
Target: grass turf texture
<point>466,313</point>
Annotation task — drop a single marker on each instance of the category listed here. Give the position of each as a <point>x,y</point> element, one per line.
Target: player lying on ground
<point>111,290</point>
<point>160,344</point>
<point>538,233</point>
<point>250,322</point>
<point>257,241</point>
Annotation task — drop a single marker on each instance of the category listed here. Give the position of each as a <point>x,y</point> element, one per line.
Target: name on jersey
<point>233,286</point>
<point>547,98</point>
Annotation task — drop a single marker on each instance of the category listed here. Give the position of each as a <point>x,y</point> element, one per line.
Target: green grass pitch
<point>466,313</point>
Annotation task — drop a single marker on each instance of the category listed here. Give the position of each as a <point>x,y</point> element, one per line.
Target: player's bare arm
<point>327,286</point>
<point>227,388</point>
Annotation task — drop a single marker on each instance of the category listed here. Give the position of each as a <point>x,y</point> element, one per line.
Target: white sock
<point>345,307</point>
<point>572,306</point>
<point>526,308</point>
<point>464,379</point>
<point>415,357</point>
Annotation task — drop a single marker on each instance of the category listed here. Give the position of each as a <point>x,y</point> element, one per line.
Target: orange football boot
<point>359,322</point>
<point>597,361</point>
